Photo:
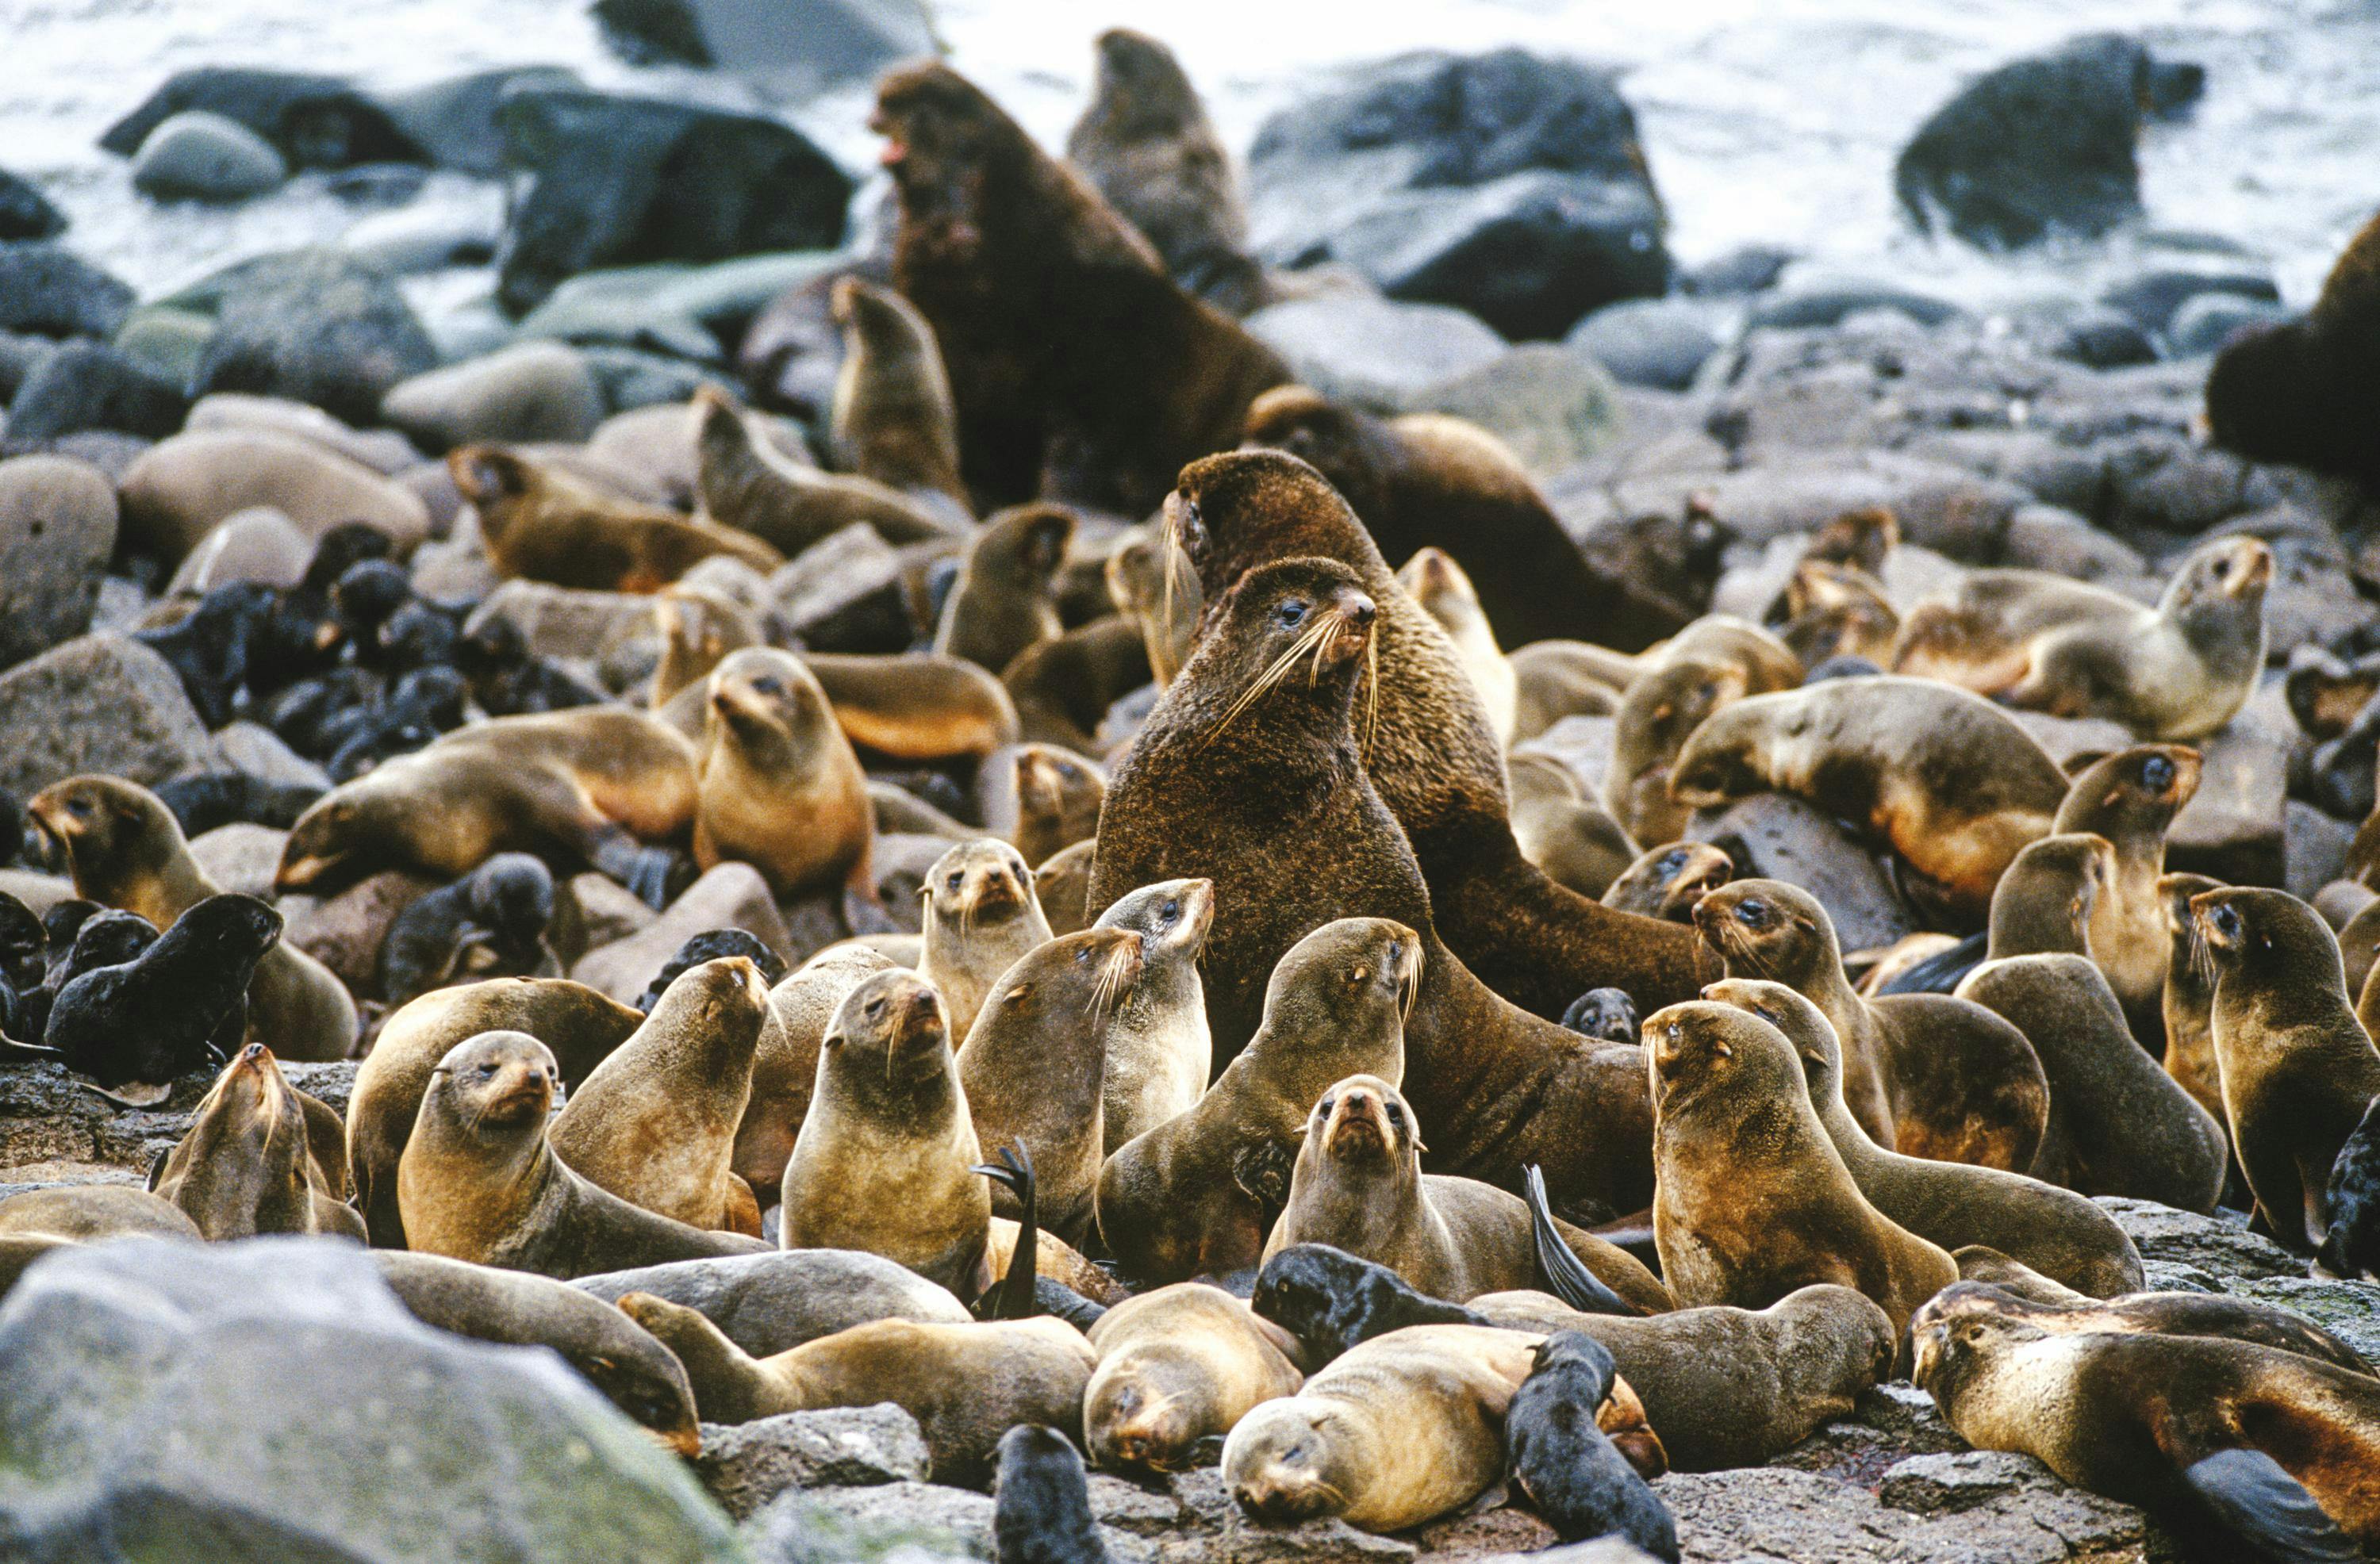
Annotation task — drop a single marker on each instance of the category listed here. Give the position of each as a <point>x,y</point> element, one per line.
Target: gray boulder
<point>90,385</point>
<point>747,1464</point>
<point>271,1400</point>
<point>538,391</point>
<point>196,155</point>
<point>98,703</point>
<point>57,530</point>
<point>1649,342</point>
<point>49,290</point>
<point>1508,184</point>
<point>1554,407</point>
<point>800,43</point>
<point>25,212</point>
<point>453,122</point>
<point>2220,1246</point>
<point>770,1303</point>
<point>314,121</point>
<point>1373,352</point>
<point>314,326</point>
<point>844,593</point>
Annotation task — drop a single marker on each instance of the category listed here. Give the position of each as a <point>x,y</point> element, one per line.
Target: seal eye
<point>2226,923</point>
<point>768,684</point>
<point>1753,910</point>
<point>1082,955</point>
<point>1326,1105</point>
<point>2156,773</point>
<point>1291,614</point>
<point>79,807</point>
<point>1672,862</point>
<point>1396,1115</point>
<point>958,877</point>
<point>1171,911</point>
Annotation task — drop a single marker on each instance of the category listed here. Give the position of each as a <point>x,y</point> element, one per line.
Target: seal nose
<point>1359,610</point>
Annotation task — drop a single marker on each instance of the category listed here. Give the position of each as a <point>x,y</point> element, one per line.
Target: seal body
<point>247,1165</point>
<point>892,420</point>
<point>1177,1366</point>
<point>540,525</point>
<point>2304,392</point>
<point>2130,798</point>
<point>777,785</point>
<point>982,917</point>
<point>1160,1055</point>
<point>1446,594</point>
<point>751,487</point>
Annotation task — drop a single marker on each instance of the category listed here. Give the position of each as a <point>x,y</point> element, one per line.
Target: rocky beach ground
<point>1692,426</point>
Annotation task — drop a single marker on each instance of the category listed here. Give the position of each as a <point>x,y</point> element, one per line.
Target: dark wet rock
<point>2152,300</point>
<point>2042,145</point>
<point>1776,836</point>
<point>2210,320</point>
<point>620,180</point>
<point>453,122</point>
<point>1830,304</point>
<point>98,703</point>
<point>812,43</point>
<point>536,390</point>
<point>1651,342</point>
<point>315,326</point>
<point>747,1465</point>
<point>287,1406</point>
<point>2313,847</point>
<point>196,155</point>
<point>20,355</point>
<point>1748,270</point>
<point>2103,339</point>
<point>57,530</point>
<point>50,291</point>
<point>25,212</point>
<point>315,121</point>
<point>792,352</point>
<point>2220,1246</point>
<point>844,593</point>
<point>87,385</point>
<point>1508,184</point>
<point>1373,352</point>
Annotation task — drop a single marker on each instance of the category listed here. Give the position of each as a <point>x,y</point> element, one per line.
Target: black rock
<point>47,289</point>
<point>87,385</point>
<point>1751,269</point>
<point>25,212</point>
<point>2042,145</point>
<point>1506,184</point>
<point>816,41</point>
<point>623,180</point>
<point>313,326</point>
<point>2103,339</point>
<point>316,121</point>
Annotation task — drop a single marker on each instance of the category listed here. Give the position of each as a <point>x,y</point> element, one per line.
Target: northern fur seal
<point>543,525</point>
<point>578,1024</point>
<point>1000,604</point>
<point>125,849</point>
<point>1563,829</point>
<point>1252,775</point>
<point>784,1060</point>
<point>1195,1194</point>
<point>777,785</point>
<point>135,1025</point>
<point>1050,310</point>
<point>1426,746</point>
<point>982,917</point>
<point>1161,1057</point>
<point>2276,1448</point>
<point>1754,1201</point>
<point>966,1385</point>
<point>247,1165</point>
<point>892,420</point>
<point>2033,639</point>
<point>1041,796</point>
<point>1358,1186</point>
<point>1178,1365</point>
<point>1670,880</point>
<point>656,1122</point>
<point>2131,797</point>
<point>1566,1465</point>
<point>1447,595</point>
<point>2298,1071</point>
<point>917,708</point>
<point>1042,1500</point>
<point>753,490</point>
<point>2190,995</point>
<point>2056,1231</point>
<point>1948,780</point>
<point>2303,391</point>
<point>1928,1074</point>
<point>1398,1431</point>
<point>2153,1314</point>
<point>480,1181</point>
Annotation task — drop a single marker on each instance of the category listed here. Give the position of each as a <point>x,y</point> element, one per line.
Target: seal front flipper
<point>1566,1275</point>
<point>1940,972</point>
<point>2248,1492</point>
<point>1014,1297</point>
<point>653,874</point>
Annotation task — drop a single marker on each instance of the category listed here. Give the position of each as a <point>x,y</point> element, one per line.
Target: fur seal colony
<point>1028,885</point>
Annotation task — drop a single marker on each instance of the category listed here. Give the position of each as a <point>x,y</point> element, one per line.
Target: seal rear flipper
<point>2269,1510</point>
<point>1016,1295</point>
<point>13,1053</point>
<point>1566,1275</point>
<point>1053,1297</point>
<point>653,874</point>
<point>1939,973</point>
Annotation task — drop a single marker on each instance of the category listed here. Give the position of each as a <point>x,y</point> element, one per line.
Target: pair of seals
<point>1050,310</point>
<point>1178,1366</point>
<point>966,1385</point>
<point>2130,798</point>
<point>133,1024</point>
<point>1928,1074</point>
<point>478,1179</point>
<point>1358,1186</point>
<point>1195,1194</point>
<point>2036,640</point>
<point>1426,746</point>
<point>2054,1232</point>
<point>1950,781</point>
<point>1713,662</point>
<point>2297,1068</point>
<point>539,524</point>
<point>1752,1199</point>
<point>125,849</point>
<point>260,1158</point>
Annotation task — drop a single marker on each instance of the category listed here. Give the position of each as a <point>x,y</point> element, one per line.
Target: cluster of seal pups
<point>1284,1069</point>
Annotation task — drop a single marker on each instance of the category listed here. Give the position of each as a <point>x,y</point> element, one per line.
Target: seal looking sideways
<point>2298,1071</point>
<point>1178,1365</point>
<point>2056,1231</point>
<point>125,849</point>
<point>892,419</point>
<point>1426,746</point>
<point>1754,1201</point>
<point>1358,1186</point>
<point>2152,1313</point>
<point>480,1181</point>
<point>540,525</point>
<point>1159,1054</point>
<point>2275,1449</point>
<point>752,488</point>
<point>2131,797</point>
<point>1050,308</point>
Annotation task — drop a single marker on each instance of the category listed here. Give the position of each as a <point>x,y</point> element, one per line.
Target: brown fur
<point>2306,392</point>
<point>540,525</point>
<point>2114,798</point>
<point>1001,604</point>
<point>753,489</point>
<point>893,422</point>
<point>921,708</point>
<point>1178,1365</point>
<point>2189,999</point>
<point>779,787</point>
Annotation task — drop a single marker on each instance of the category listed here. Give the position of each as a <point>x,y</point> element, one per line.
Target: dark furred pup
<point>150,1019</point>
<point>1567,1465</point>
<point>1041,1501</point>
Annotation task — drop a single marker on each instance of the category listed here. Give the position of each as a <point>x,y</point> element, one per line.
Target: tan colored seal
<point>2131,797</point>
<point>1153,582</point>
<point>1002,602</point>
<point>2189,996</point>
<point>1562,830</point>
<point>892,420</point>
<point>1754,1201</point>
<point>1041,797</point>
<point>248,1164</point>
<point>920,706</point>
<point>753,490</point>
<point>542,525</point>
<point>1446,594</point>
<point>84,1213</point>
<point>982,917</point>
<point>784,1060</point>
<point>777,785</point>
<point>1178,1365</point>
<point>1160,1055</point>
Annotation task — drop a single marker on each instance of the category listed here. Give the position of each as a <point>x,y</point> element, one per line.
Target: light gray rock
<point>259,545</point>
<point>566,622</point>
<point>1375,352</point>
<point>2349,1309</point>
<point>240,857</point>
<point>1649,342</point>
<point>2220,1246</point>
<point>1554,408</point>
<point>258,750</point>
<point>531,391</point>
<point>99,703</point>
<point>200,156</point>
<point>897,1522</point>
<point>57,528</point>
<point>285,1405</point>
<point>748,1464</point>
<point>844,593</point>
<point>2233,827</point>
<point>382,450</point>
<point>732,895</point>
<point>179,488</point>
<point>770,1303</point>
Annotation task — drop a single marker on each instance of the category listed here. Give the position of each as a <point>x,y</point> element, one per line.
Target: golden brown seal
<point>753,490</point>
<point>1178,1365</point>
<point>540,525</point>
<point>982,917</point>
<point>1160,1055</point>
<point>1447,595</point>
<point>1001,603</point>
<point>2190,995</point>
<point>920,706</point>
<point>777,785</point>
<point>1042,797</point>
<point>892,420</point>
<point>2131,797</point>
